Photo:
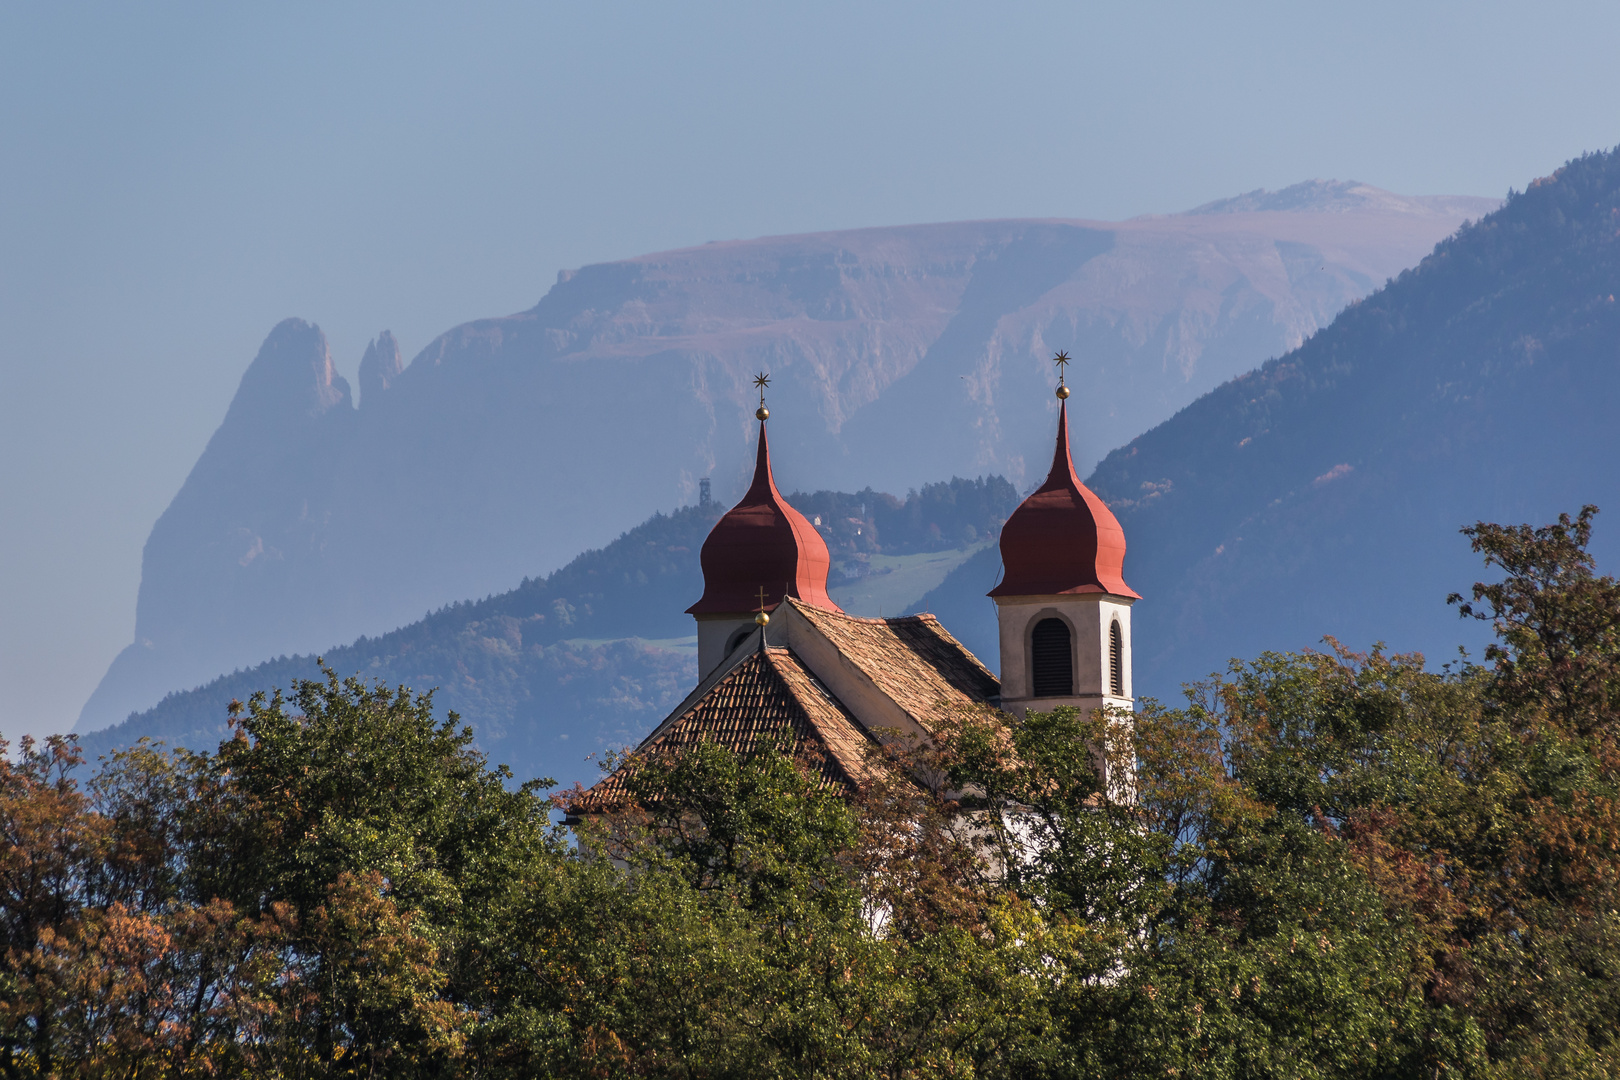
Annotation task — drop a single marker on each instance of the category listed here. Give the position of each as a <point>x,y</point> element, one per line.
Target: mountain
<point>1341,197</point>
<point>256,501</point>
<point>898,355</point>
<point>590,657</point>
<point>1323,493</point>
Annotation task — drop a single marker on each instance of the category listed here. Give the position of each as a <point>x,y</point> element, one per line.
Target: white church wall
<point>1088,616</point>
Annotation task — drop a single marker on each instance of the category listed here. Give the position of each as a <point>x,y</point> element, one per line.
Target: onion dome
<point>1062,539</point>
<point>762,543</point>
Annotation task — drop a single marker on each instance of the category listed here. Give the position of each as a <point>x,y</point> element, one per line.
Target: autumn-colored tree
<point>50,841</point>
<point>108,969</point>
<point>295,905</point>
<point>1326,864</point>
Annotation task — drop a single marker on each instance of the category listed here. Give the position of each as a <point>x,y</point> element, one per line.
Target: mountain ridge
<point>509,444</point>
<point>587,659</point>
<point>1323,492</point>
<point>1342,196</point>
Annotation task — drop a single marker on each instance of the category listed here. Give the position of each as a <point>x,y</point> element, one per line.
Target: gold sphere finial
<point>1062,362</point>
<point>762,380</point>
<point>1062,392</point>
<point>761,619</point>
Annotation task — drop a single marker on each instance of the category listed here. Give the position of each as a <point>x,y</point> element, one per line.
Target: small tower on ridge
<point>762,543</point>
<point>1063,606</point>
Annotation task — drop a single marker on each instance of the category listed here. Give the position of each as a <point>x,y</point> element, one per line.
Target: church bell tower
<point>1063,607</point>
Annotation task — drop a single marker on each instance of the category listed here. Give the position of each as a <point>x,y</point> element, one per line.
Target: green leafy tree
<point>1325,864</point>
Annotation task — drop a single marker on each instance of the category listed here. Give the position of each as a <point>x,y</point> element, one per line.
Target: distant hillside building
<point>833,683</point>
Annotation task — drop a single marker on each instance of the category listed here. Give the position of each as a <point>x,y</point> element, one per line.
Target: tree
<point>1325,864</point>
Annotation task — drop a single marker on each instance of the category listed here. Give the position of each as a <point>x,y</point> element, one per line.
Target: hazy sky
<point>176,178</point>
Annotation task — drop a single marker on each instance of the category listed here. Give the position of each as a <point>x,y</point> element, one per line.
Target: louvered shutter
<point>1116,661</point>
<point>1054,660</point>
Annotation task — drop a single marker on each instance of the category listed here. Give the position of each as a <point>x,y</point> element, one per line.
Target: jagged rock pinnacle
<point>380,367</point>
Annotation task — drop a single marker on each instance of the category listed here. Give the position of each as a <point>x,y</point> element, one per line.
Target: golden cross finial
<point>762,380</point>
<point>762,618</point>
<point>1062,362</point>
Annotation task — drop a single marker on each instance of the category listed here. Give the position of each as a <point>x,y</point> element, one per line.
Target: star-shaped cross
<point>1062,362</point>
<point>762,380</point>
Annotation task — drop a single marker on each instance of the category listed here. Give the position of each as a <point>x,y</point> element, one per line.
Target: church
<point>777,658</point>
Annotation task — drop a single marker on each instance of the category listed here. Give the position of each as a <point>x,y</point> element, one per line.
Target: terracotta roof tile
<point>913,659</point>
<point>765,695</point>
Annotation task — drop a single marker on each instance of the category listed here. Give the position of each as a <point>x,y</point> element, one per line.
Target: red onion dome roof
<point>1062,539</point>
<point>762,542</point>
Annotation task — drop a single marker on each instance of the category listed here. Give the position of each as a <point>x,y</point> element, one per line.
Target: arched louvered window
<point>1116,660</point>
<point>1053,659</point>
<point>736,638</point>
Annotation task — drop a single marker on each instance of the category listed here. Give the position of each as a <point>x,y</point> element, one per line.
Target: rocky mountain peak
<point>380,366</point>
<point>507,444</point>
<point>1345,196</point>
<point>291,380</point>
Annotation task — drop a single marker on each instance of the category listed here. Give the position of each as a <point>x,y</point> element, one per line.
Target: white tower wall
<point>717,636</point>
<point>1088,617</point>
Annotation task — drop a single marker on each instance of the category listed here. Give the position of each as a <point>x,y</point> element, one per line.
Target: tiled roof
<point>765,695</point>
<point>914,660</point>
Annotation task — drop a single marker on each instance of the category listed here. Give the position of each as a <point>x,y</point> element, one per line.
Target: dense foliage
<point>1323,865</point>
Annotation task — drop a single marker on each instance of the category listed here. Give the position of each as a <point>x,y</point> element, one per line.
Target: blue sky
<point>176,178</point>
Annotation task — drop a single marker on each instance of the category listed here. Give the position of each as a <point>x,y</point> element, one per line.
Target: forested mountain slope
<point>899,355</point>
<point>588,658</point>
<point>1322,493</point>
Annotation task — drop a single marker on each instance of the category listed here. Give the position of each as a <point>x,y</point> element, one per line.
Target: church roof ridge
<point>874,620</point>
<point>915,661</point>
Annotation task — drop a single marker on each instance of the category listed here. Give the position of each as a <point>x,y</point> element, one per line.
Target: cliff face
<point>898,356</point>
<point>380,366</point>
<point>245,533</point>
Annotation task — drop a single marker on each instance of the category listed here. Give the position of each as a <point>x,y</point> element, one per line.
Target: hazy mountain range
<point>899,356</point>
<point>588,658</point>
<point>1323,493</point>
<point>1319,494</point>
